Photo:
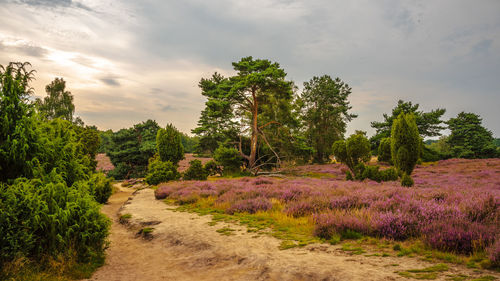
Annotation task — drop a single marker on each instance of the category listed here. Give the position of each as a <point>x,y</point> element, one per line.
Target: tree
<point>228,158</point>
<point>384,150</point>
<point>256,82</point>
<point>216,125</point>
<point>428,123</point>
<point>132,149</point>
<point>18,139</point>
<point>468,138</point>
<point>353,151</point>
<point>325,113</point>
<point>169,145</point>
<point>405,143</point>
<point>58,103</point>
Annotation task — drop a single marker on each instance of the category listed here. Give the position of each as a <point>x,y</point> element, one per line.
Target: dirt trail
<point>185,247</point>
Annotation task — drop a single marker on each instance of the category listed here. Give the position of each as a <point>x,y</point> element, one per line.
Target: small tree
<point>405,143</point>
<point>353,151</point>
<point>161,171</point>
<point>228,158</point>
<point>58,103</point>
<point>384,150</point>
<point>195,171</point>
<point>169,145</point>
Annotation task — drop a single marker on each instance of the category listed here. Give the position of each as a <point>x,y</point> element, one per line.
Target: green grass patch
<point>428,273</point>
<point>225,231</point>
<point>347,247</point>
<point>287,244</point>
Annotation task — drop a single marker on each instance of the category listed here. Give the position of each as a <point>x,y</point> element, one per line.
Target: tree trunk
<point>253,142</point>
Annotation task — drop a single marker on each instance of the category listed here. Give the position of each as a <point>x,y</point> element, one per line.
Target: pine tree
<point>169,145</point>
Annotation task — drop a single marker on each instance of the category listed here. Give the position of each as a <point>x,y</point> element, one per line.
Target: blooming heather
<point>454,204</point>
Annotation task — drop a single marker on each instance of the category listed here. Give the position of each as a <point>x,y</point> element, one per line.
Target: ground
<point>156,242</point>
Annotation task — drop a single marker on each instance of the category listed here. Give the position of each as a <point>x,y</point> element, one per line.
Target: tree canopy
<point>325,113</point>
<point>58,103</point>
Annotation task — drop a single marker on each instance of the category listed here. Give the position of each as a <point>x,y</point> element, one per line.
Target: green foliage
<point>428,123</point>
<point>161,171</point>
<point>216,125</point>
<point>63,151</point>
<point>229,159</point>
<point>39,218</point>
<point>132,149</point>
<point>195,171</point>
<point>406,143</point>
<point>189,143</point>
<point>18,139</point>
<point>440,147</point>
<point>106,144</point>
<point>58,103</point>
<point>325,113</point>
<point>99,186</point>
<point>169,145</point>
<point>363,172</point>
<point>353,151</point>
<point>469,139</point>
<point>406,180</point>
<point>384,151</point>
<point>212,168</point>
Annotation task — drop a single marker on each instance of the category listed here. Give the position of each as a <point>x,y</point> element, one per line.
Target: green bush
<point>99,186</point>
<point>384,151</point>
<point>406,143</point>
<point>406,180</point>
<point>390,174</point>
<point>229,158</point>
<point>161,171</point>
<point>212,168</point>
<point>352,152</point>
<point>169,145</point>
<point>195,171</point>
<point>40,219</point>
<point>374,173</point>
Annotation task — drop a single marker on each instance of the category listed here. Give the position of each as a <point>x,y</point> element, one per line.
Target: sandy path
<point>186,247</point>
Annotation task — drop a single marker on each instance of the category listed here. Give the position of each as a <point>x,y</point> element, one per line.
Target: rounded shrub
<point>100,187</point>
<point>229,158</point>
<point>195,171</point>
<point>352,152</point>
<point>161,171</point>
<point>212,168</point>
<point>406,180</point>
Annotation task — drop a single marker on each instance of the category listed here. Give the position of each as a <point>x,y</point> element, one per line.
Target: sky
<point>128,61</point>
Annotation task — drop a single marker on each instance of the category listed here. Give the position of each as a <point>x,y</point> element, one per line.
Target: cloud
<point>53,4</point>
<point>110,81</point>
<point>22,47</point>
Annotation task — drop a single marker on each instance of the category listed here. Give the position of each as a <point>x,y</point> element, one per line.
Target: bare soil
<point>184,246</point>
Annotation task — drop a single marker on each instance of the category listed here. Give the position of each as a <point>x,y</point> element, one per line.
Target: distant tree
<point>469,139</point>
<point>325,113</point>
<point>229,159</point>
<point>195,171</point>
<point>106,143</point>
<point>18,139</point>
<point>428,123</point>
<point>406,143</point>
<point>169,145</point>
<point>189,143</point>
<point>58,103</point>
<point>89,138</point>
<point>216,125</point>
<point>132,149</point>
<point>353,151</point>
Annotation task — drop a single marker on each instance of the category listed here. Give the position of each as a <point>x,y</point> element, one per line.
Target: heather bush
<point>229,159</point>
<point>160,171</point>
<point>329,224</point>
<point>397,226</point>
<point>458,236</point>
<point>195,171</point>
<point>250,205</point>
<point>494,252</point>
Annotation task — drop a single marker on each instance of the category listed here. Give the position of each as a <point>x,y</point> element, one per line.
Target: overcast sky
<point>128,61</point>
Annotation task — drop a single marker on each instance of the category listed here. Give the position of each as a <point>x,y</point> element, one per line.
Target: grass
<point>428,273</point>
<point>347,247</point>
<point>125,218</point>
<point>225,231</point>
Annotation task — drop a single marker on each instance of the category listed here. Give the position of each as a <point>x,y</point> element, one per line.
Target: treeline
<point>50,195</point>
<point>260,114</point>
